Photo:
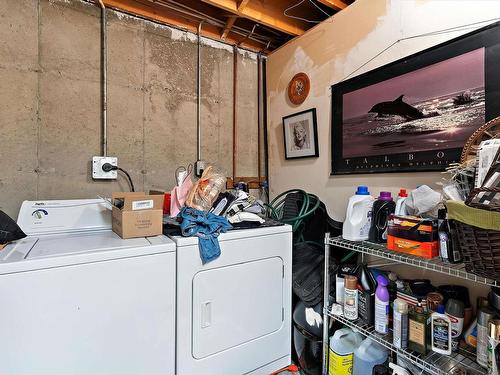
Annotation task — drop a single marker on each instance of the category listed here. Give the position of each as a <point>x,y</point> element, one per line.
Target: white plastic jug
<point>358,217</point>
<point>367,356</point>
<point>342,345</point>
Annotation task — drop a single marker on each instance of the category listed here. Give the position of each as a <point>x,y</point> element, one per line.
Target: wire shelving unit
<point>432,363</point>
<point>369,248</point>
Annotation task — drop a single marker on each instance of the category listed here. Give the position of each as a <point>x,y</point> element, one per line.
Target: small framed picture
<point>300,134</point>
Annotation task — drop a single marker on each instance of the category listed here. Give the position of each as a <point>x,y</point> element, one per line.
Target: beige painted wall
<point>333,50</point>
<point>330,52</point>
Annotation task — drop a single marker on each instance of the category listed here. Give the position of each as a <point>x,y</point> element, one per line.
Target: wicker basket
<point>480,250</point>
<point>480,247</point>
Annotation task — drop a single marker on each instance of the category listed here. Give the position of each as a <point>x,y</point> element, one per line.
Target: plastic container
<point>367,356</point>
<point>440,332</point>
<point>400,203</point>
<point>358,217</point>
<point>400,324</point>
<point>342,345</point>
<point>382,208</point>
<point>448,251</point>
<point>382,305</point>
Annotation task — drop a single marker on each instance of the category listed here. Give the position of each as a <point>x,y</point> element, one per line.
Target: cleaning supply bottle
<point>440,332</point>
<point>350,297</point>
<point>358,217</point>
<point>342,345</point>
<point>493,347</point>
<point>366,295</point>
<point>367,356</point>
<point>382,208</point>
<point>418,329</point>
<point>400,324</point>
<point>455,311</point>
<point>484,315</point>
<point>398,370</point>
<point>447,251</point>
<point>382,305</point>
<point>400,209</point>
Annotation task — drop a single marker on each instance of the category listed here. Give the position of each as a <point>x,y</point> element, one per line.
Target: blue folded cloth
<point>207,227</point>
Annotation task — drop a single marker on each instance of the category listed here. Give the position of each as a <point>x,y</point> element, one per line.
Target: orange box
<point>427,250</point>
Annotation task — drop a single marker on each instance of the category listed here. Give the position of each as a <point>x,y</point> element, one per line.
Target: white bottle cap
<point>400,306</point>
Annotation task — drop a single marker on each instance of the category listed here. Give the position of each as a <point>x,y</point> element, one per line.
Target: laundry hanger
<point>304,19</point>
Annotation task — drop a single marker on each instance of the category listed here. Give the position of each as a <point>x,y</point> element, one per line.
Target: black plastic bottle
<point>448,249</point>
<point>382,208</point>
<point>366,295</point>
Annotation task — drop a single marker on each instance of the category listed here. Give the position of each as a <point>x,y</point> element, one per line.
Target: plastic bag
<point>9,230</point>
<point>206,190</point>
<point>179,194</point>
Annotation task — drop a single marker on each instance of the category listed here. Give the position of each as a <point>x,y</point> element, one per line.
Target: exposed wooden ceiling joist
<point>334,4</point>
<point>229,25</point>
<point>262,13</point>
<point>160,14</point>
<point>235,21</point>
<point>242,4</point>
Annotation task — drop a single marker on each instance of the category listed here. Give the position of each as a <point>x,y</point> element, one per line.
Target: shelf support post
<point>326,297</point>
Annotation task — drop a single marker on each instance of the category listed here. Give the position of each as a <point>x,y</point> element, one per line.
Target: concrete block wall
<point>50,123</point>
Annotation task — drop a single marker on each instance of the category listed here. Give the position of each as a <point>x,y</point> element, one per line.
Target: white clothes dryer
<point>234,313</point>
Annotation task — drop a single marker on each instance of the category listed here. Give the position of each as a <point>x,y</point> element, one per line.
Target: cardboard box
<point>413,236</point>
<point>137,214</point>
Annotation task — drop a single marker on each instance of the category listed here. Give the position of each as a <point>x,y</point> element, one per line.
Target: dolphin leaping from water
<point>397,107</point>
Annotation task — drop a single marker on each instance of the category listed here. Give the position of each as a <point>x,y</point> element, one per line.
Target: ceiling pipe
<point>104,79</point>
<point>188,11</point>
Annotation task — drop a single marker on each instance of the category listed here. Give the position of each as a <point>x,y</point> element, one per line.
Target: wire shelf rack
<point>433,363</point>
<point>456,270</point>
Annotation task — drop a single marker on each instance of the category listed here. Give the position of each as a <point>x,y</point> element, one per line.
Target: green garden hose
<point>310,203</point>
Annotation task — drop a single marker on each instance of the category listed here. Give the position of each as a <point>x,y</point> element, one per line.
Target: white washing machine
<point>234,313</point>
<point>77,299</point>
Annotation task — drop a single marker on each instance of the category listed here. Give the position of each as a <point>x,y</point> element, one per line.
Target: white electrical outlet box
<point>98,173</point>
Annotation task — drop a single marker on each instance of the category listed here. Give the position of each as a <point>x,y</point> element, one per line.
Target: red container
<point>166,204</point>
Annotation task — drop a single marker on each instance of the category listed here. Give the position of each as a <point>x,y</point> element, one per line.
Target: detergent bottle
<point>342,345</point>
<point>382,208</point>
<point>358,218</point>
<point>400,203</point>
<point>367,356</point>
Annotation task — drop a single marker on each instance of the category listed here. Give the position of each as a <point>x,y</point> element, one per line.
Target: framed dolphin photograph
<point>300,134</point>
<point>416,113</point>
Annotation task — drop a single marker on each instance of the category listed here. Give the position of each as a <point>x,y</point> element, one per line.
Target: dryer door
<point>234,313</point>
<point>236,304</point>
